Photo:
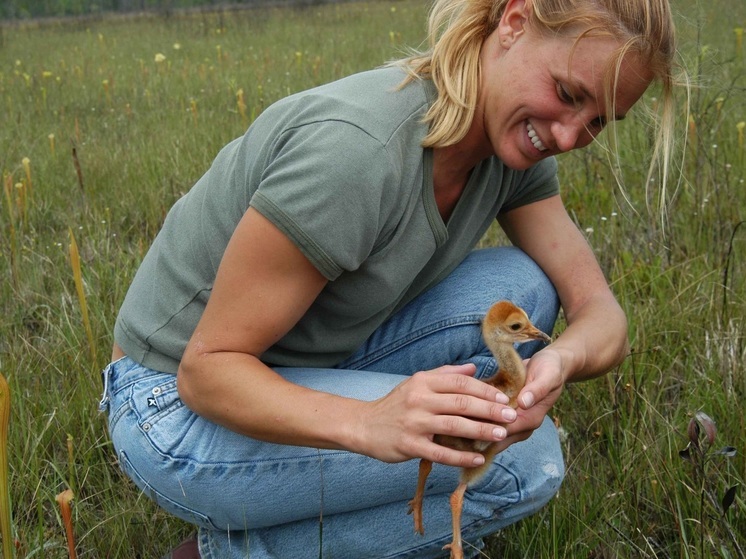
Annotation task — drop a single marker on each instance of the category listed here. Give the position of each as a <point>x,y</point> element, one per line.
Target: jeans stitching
<point>411,337</point>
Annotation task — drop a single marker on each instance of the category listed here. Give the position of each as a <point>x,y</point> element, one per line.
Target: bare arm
<point>263,287</point>
<point>595,339</point>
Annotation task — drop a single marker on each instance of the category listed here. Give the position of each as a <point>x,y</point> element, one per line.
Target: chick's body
<point>503,325</point>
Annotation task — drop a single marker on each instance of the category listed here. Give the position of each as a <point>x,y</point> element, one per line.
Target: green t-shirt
<point>341,171</point>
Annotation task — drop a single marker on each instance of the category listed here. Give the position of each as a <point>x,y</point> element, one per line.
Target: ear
<point>512,22</point>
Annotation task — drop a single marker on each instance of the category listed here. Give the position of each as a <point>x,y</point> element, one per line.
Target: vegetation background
<point>25,9</point>
<point>105,122</point>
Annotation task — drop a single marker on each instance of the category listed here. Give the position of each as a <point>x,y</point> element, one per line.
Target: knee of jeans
<point>529,472</point>
<point>529,287</point>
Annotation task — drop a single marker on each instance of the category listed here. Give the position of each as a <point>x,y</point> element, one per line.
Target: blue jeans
<point>260,500</point>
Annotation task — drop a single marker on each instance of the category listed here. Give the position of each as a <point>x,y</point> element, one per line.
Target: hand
<point>544,384</point>
<point>444,401</point>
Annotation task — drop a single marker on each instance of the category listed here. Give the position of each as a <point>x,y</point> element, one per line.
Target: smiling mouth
<point>534,137</point>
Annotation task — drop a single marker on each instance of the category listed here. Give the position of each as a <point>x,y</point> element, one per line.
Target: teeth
<point>534,137</point>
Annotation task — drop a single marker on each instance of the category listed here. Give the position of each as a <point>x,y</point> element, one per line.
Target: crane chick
<point>504,325</point>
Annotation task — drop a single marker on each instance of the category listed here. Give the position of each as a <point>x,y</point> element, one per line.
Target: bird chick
<point>504,325</point>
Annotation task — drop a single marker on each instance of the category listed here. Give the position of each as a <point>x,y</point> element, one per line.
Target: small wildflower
<point>177,46</point>
<point>692,128</point>
<point>63,500</point>
<point>26,162</point>
<point>159,58</point>
<point>193,109</point>
<point>46,74</point>
<point>241,104</point>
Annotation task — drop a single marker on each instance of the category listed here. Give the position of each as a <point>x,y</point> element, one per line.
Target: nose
<point>571,134</point>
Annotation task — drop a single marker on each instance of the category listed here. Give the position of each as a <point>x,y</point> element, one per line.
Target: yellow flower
<point>177,46</point>
<point>46,74</point>
<point>160,58</point>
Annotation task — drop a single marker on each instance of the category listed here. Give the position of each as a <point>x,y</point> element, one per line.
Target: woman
<point>308,317</point>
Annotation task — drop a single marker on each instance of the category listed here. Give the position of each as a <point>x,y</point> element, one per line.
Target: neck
<point>452,166</point>
<point>460,158</point>
<point>509,361</point>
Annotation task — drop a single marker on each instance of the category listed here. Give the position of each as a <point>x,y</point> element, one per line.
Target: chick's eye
<point>515,327</point>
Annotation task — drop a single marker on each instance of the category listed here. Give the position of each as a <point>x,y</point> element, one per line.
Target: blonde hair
<point>457,29</point>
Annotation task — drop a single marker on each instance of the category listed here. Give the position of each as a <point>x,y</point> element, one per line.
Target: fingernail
<point>502,398</point>
<point>499,433</point>
<point>509,414</point>
<point>528,400</point>
<point>478,461</point>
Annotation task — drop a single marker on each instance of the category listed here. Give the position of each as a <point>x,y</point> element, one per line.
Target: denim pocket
<point>154,402</point>
<point>169,505</point>
<point>146,396</point>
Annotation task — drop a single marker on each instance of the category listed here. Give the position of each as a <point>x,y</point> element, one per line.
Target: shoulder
<point>372,101</point>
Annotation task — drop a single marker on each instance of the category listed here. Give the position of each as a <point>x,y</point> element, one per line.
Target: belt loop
<point>105,374</point>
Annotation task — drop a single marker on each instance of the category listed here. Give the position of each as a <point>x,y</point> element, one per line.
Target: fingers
<point>451,457</point>
<point>463,427</point>
<point>459,379</point>
<point>455,404</point>
<point>544,380</point>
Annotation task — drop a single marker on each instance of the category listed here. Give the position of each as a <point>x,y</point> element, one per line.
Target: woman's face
<point>542,95</point>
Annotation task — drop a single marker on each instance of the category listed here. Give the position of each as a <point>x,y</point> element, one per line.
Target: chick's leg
<point>457,503</point>
<point>415,505</point>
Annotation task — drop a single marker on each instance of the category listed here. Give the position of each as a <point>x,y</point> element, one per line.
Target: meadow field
<point>104,123</point>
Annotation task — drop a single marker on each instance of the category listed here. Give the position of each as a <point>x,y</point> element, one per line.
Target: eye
<point>515,326</point>
<point>598,124</point>
<point>564,94</point>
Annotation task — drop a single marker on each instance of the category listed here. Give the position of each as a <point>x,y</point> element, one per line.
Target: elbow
<point>623,344</point>
<point>187,384</point>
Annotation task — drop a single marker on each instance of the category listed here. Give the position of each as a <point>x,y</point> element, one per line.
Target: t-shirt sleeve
<point>536,183</point>
<point>322,186</point>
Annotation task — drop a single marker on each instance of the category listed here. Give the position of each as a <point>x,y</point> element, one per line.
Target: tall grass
<point>117,118</point>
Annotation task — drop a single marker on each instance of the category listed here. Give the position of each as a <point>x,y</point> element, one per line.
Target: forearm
<point>595,339</point>
<point>241,393</point>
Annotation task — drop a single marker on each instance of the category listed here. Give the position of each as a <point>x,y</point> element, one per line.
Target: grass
<point>73,229</point>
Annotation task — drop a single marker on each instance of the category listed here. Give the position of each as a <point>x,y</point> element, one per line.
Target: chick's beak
<point>536,334</point>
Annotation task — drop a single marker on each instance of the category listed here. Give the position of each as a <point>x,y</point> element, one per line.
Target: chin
<point>514,158</point>
<point>518,163</point>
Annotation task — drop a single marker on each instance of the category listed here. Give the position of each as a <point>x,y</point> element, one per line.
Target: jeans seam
<point>411,337</point>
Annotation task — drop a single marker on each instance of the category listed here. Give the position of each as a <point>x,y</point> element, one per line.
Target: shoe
<point>188,549</point>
